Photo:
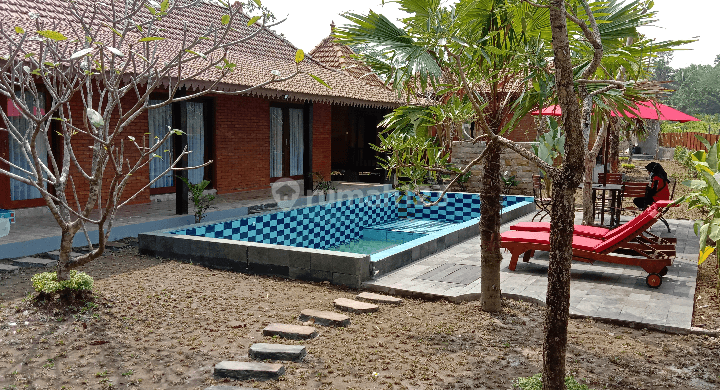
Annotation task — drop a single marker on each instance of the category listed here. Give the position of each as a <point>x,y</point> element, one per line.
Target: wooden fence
<point>688,140</point>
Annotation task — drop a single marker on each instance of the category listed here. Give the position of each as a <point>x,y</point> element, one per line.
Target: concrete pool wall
<point>296,240</point>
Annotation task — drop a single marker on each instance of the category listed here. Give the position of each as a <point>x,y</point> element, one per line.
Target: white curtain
<point>296,141</point>
<point>276,136</point>
<point>159,121</point>
<point>196,140</point>
<point>18,190</point>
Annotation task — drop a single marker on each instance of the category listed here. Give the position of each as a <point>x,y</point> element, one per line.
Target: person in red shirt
<point>658,188</point>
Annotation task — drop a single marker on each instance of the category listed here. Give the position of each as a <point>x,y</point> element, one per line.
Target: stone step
<point>324,318</point>
<point>248,370</point>
<point>353,306</point>
<point>55,255</point>
<point>290,332</point>
<point>263,351</point>
<point>115,245</point>
<point>226,387</point>
<point>4,268</point>
<point>34,262</point>
<point>377,298</point>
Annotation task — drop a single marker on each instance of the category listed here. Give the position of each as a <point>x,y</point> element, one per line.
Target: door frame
<point>285,107</point>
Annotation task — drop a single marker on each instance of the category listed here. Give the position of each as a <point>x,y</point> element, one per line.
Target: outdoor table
<point>615,201</point>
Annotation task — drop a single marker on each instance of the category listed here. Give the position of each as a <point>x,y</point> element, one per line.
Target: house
<point>284,130</point>
<point>354,128</point>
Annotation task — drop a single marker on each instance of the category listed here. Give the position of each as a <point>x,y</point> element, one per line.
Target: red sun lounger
<point>666,244</point>
<point>590,250</point>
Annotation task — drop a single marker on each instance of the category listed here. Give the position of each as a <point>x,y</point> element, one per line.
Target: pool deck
<point>603,291</point>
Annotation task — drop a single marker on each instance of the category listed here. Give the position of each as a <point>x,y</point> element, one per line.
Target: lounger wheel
<point>663,271</point>
<point>654,280</point>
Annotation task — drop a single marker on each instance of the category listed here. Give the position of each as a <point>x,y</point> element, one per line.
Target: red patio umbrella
<point>655,110</point>
<point>644,110</point>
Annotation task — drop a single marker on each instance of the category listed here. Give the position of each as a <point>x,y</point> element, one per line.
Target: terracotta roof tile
<point>255,58</point>
<point>340,57</point>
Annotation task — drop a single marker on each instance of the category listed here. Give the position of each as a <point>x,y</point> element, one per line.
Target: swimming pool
<point>345,241</point>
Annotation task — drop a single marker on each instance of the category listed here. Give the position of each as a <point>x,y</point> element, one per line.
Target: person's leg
<point>641,203</point>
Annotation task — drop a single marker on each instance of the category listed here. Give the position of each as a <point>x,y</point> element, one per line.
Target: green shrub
<point>624,158</point>
<point>47,282</point>
<point>628,166</point>
<point>535,383</point>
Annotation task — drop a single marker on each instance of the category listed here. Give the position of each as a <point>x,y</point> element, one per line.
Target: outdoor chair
<point>633,190</point>
<point>541,203</point>
<point>665,244</point>
<point>603,205</point>
<point>590,250</point>
<point>610,178</point>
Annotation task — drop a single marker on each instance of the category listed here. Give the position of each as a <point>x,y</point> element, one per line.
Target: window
<point>20,157</point>
<point>286,142</point>
<point>160,122</point>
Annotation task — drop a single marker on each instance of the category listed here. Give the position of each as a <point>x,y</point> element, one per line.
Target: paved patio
<point>603,291</point>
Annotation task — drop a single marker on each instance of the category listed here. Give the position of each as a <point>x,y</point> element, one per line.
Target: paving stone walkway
<point>264,352</point>
<point>603,291</point>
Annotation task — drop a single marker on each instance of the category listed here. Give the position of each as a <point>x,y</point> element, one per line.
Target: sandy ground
<point>158,324</point>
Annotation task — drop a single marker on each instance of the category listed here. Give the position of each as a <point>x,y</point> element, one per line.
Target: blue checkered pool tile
<point>329,225</point>
<point>454,207</point>
<point>317,227</point>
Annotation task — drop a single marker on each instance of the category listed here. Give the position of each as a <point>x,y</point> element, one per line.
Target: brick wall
<point>525,131</point>
<point>322,139</point>
<point>242,148</point>
<point>242,144</point>
<point>82,149</point>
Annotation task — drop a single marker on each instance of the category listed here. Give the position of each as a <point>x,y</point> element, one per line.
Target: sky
<point>308,22</point>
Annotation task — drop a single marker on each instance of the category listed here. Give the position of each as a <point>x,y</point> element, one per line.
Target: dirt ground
<point>159,324</point>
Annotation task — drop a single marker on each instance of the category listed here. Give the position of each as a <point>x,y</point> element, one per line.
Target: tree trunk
<point>588,205</point>
<point>565,181</point>
<point>558,290</point>
<point>614,145</point>
<point>63,266</point>
<point>490,207</point>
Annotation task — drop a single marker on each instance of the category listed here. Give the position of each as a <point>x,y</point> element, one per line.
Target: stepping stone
<point>226,387</point>
<point>262,351</point>
<point>55,255</point>
<point>248,370</point>
<point>4,268</point>
<point>377,298</point>
<point>290,332</point>
<point>34,262</point>
<point>324,318</point>
<point>353,306</point>
<point>115,245</point>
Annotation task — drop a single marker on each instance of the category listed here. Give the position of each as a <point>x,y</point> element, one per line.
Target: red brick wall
<point>83,152</point>
<point>242,144</point>
<point>81,147</point>
<point>242,147</point>
<point>322,139</point>
<point>525,131</point>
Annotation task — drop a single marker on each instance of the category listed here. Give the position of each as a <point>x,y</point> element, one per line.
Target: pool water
<point>366,246</point>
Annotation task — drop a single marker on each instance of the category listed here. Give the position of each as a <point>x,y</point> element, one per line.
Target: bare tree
<point>113,55</point>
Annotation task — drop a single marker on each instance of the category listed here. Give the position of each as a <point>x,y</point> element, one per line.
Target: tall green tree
<point>697,89</point>
<point>470,59</point>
